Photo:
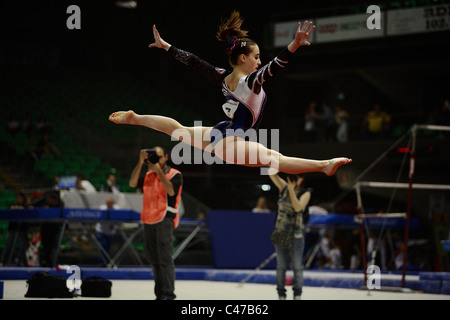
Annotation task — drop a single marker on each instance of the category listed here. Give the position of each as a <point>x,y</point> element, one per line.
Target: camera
<point>152,157</point>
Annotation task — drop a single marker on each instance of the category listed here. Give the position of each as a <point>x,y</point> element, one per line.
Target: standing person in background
<point>376,124</point>
<point>325,123</point>
<point>50,232</point>
<point>341,118</point>
<point>162,187</point>
<point>83,184</point>
<point>261,205</point>
<point>105,231</point>
<point>13,125</point>
<point>310,128</point>
<point>17,230</point>
<point>292,202</point>
<point>111,184</point>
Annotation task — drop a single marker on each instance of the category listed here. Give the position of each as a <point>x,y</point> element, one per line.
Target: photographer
<point>162,187</point>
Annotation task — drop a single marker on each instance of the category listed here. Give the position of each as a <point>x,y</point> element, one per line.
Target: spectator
<point>376,250</point>
<point>111,184</point>
<point>325,123</point>
<point>329,255</point>
<point>13,125</point>
<point>50,232</point>
<point>45,148</point>
<point>396,261</point>
<point>376,124</point>
<point>105,231</point>
<point>310,121</point>
<point>43,126</point>
<point>261,205</point>
<point>17,230</point>
<point>56,180</point>
<point>355,250</point>
<point>84,184</point>
<point>28,128</point>
<point>341,120</point>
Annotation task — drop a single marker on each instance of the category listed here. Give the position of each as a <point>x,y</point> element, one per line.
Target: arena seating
<point>77,103</point>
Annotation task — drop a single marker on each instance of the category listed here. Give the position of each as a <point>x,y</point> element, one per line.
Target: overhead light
<point>126,4</point>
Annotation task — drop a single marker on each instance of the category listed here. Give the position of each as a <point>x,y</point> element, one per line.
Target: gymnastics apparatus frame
<point>361,216</point>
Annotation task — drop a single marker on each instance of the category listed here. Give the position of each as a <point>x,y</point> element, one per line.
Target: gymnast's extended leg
<point>253,154</point>
<point>167,125</point>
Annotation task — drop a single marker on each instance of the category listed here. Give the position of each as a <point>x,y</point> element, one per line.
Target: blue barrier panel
<point>347,220</point>
<point>445,288</point>
<point>240,239</point>
<point>18,214</point>
<point>49,213</point>
<point>434,275</point>
<point>430,286</point>
<point>135,216</point>
<point>70,213</point>
<point>121,214</point>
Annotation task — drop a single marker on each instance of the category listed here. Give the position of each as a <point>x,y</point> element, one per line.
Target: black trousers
<point>158,239</point>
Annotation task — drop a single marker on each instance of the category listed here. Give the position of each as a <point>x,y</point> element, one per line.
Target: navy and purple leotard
<point>245,105</point>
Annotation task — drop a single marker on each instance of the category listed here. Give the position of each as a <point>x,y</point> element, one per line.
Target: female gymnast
<point>245,100</point>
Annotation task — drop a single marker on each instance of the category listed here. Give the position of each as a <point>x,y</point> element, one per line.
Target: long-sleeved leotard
<point>245,105</point>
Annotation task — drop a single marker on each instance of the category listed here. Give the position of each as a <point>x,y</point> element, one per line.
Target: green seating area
<point>7,197</point>
<point>77,102</point>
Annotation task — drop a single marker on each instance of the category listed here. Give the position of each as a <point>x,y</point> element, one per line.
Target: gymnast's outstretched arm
<point>212,73</point>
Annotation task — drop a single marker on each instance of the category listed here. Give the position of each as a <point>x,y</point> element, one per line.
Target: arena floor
<point>218,290</point>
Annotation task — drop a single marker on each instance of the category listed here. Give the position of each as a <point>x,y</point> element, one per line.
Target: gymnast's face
<point>252,60</point>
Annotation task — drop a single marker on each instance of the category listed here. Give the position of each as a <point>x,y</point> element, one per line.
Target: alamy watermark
<point>73,282</point>
<point>74,20</point>
<point>373,277</point>
<point>374,21</point>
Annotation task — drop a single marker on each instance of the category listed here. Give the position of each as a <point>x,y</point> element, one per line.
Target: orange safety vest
<point>155,199</point>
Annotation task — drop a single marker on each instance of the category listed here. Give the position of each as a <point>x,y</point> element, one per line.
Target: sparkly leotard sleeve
<point>215,75</point>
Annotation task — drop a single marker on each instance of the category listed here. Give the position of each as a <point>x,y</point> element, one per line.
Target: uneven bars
<point>382,215</point>
<point>375,184</point>
<point>432,127</point>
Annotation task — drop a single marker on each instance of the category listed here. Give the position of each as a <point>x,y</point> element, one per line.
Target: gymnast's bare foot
<point>122,117</point>
<point>334,164</point>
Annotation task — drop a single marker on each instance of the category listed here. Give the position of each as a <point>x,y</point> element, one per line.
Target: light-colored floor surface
<point>218,290</point>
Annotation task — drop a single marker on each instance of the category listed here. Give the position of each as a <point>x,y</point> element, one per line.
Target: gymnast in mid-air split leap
<point>245,100</point>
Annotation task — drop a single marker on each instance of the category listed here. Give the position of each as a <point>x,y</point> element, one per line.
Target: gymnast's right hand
<point>159,42</point>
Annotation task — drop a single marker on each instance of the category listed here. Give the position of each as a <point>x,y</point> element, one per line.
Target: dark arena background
<point>74,73</point>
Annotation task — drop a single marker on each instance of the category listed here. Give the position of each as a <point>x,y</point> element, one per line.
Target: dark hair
<point>236,39</point>
<point>20,194</point>
<point>294,177</point>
